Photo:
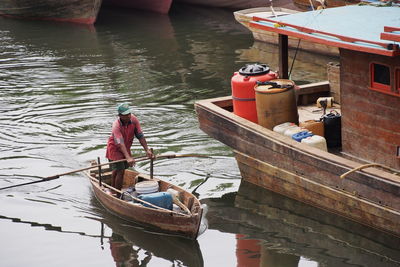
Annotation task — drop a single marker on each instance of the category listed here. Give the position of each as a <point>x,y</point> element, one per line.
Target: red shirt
<point>122,134</point>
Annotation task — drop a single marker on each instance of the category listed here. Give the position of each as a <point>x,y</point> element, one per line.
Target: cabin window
<point>380,77</point>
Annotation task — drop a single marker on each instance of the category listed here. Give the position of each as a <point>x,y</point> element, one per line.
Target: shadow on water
<point>127,239</point>
<point>273,229</point>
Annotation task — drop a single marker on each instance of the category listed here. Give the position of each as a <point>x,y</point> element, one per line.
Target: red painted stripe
<point>390,37</point>
<point>350,46</point>
<point>308,30</point>
<point>391,29</point>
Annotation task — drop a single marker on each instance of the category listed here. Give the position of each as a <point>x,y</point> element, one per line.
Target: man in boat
<point>124,129</point>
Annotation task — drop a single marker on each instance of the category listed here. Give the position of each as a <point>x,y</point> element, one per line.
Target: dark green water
<point>59,86</point>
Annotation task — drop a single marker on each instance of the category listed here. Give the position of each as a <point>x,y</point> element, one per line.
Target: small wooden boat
<point>164,220</point>
<point>245,17</point>
<point>84,11</point>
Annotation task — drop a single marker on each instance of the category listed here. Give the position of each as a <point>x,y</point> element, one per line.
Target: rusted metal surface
<point>305,173</point>
<point>163,220</point>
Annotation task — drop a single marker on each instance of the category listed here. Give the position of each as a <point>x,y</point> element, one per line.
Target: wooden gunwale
<point>369,196</point>
<point>161,219</point>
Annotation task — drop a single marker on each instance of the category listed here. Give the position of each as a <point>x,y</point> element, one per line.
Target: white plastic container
<point>147,187</point>
<point>316,141</point>
<point>281,128</point>
<point>293,130</point>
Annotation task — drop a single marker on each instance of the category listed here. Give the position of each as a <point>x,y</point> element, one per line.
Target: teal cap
<point>124,109</point>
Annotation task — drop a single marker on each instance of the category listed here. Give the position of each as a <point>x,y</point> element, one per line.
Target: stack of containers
<point>301,134</point>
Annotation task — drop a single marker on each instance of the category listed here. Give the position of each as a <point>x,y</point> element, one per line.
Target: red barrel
<point>243,94</point>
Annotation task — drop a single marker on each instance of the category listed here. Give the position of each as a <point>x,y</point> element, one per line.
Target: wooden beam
<point>283,56</point>
<point>390,37</point>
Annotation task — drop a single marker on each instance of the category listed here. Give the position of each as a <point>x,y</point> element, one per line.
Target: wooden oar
<point>49,178</point>
<point>141,158</point>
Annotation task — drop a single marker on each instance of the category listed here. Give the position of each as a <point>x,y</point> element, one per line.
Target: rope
<point>294,58</point>
<point>367,166</point>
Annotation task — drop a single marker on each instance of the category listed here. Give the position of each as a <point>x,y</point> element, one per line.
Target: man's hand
<point>131,161</point>
<point>149,154</point>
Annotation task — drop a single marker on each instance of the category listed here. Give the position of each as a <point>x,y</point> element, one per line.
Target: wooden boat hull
<point>158,6</point>
<point>165,221</point>
<point>246,15</point>
<point>84,11</point>
<point>310,175</point>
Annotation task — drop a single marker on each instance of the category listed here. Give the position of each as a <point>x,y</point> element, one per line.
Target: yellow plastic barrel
<point>276,103</point>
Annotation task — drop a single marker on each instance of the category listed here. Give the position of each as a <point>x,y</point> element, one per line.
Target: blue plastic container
<point>301,135</point>
<point>160,199</point>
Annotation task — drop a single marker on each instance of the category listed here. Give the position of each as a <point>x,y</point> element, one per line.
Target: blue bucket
<point>160,199</point>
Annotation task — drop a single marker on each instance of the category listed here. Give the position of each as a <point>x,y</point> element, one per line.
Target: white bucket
<point>316,141</point>
<point>146,187</point>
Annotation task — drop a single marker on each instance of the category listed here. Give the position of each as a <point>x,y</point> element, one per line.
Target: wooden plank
<point>390,37</point>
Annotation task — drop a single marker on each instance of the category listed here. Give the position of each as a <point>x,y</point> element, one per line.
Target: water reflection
<point>124,254</point>
<point>135,245</point>
<point>275,230</point>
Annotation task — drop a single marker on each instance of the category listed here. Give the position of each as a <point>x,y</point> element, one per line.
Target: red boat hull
<point>75,11</point>
<point>159,6</point>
